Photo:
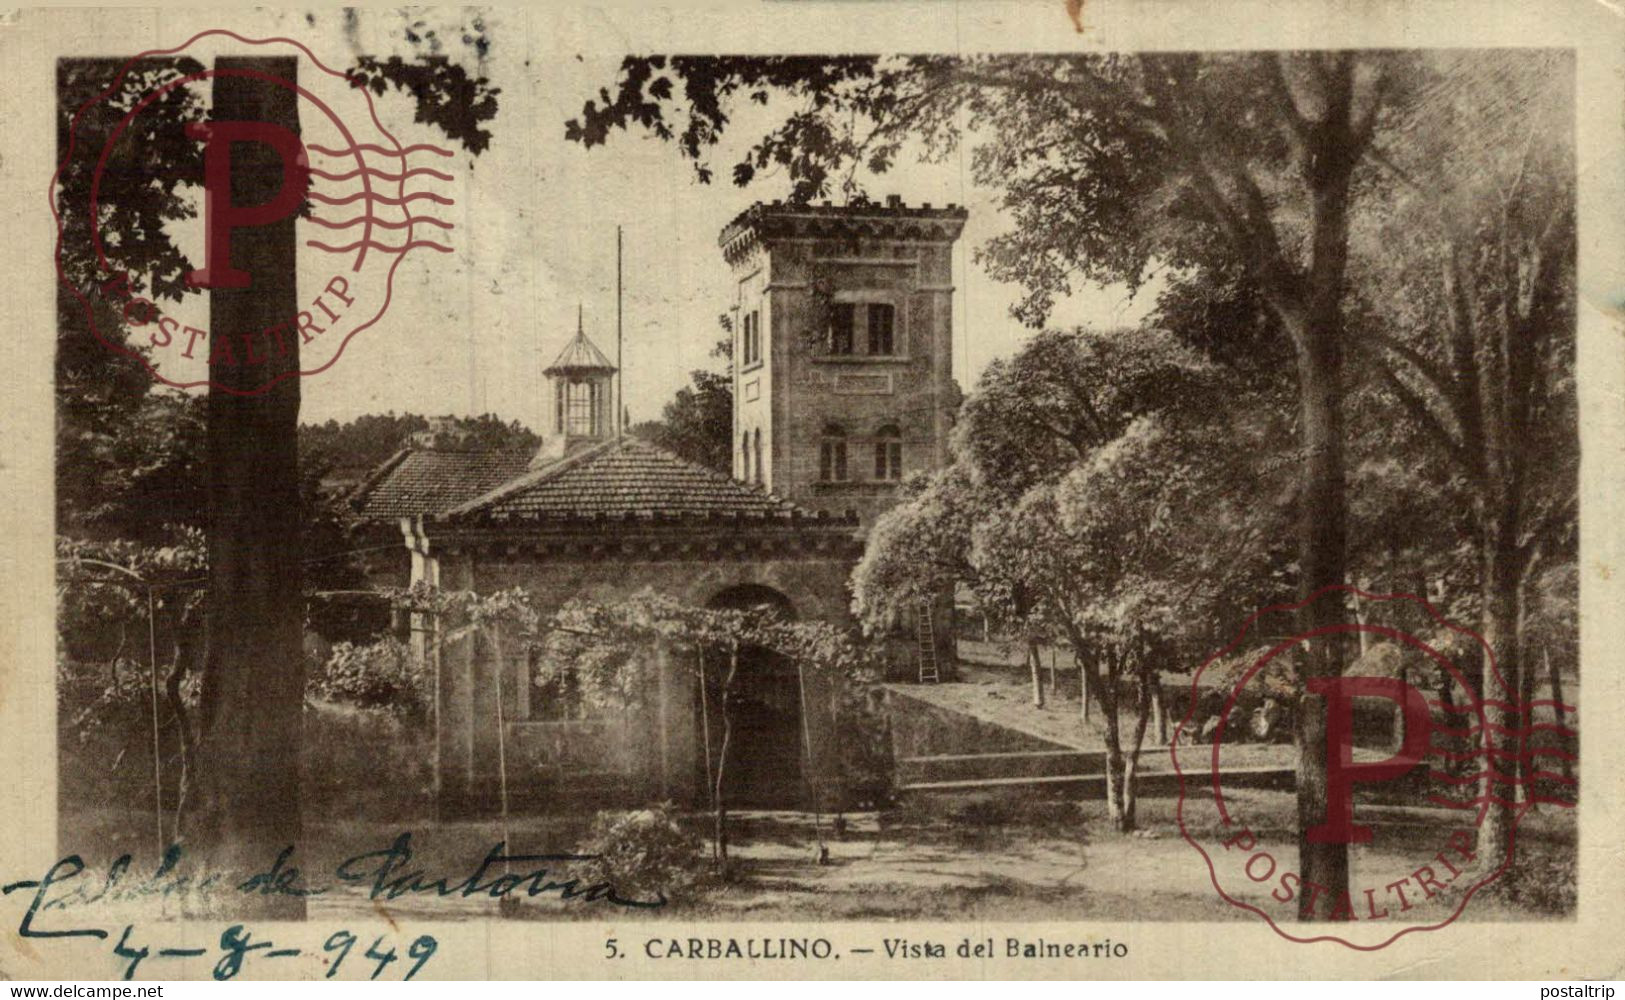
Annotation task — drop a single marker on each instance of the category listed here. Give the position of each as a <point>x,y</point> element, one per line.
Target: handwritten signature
<point>387,874</point>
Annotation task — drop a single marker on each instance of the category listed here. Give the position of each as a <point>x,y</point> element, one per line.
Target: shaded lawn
<point>961,858</point>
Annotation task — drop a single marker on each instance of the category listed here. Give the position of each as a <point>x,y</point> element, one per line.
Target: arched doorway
<point>765,763</point>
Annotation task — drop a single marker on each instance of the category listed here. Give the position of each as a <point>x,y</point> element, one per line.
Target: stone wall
<point>658,752</point>
<point>791,266</point>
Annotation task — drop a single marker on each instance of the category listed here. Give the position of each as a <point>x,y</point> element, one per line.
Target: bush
<point>383,674</point>
<point>1543,881</point>
<point>644,854</point>
<point>863,729</point>
<point>368,764</point>
<point>104,731</point>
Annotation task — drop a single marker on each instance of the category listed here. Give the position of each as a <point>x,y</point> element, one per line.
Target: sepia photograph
<point>503,475</point>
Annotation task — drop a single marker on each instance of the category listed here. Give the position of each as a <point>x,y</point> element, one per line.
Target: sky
<point>535,222</point>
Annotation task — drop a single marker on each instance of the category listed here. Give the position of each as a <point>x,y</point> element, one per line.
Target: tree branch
<point>1557,516</point>
<point>1437,374</point>
<point>1417,407</point>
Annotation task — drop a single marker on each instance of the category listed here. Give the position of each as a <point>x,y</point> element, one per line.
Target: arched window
<point>889,453</point>
<point>744,457</point>
<point>832,454</point>
<point>758,450</point>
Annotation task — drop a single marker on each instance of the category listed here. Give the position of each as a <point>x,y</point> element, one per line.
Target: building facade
<point>843,358</point>
<point>599,517</point>
<point>843,349</point>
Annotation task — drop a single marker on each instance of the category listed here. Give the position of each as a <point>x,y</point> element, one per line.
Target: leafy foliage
<point>1066,393</point>
<point>113,442</point>
<point>697,424</point>
<point>1107,163</point>
<point>366,441</point>
<point>102,593</point>
<point>1101,495</point>
<point>382,674</point>
<point>810,145</point>
<point>444,93</point>
<point>922,546</point>
<point>645,854</point>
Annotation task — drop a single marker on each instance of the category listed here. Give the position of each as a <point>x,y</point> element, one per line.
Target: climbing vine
<point>612,650</point>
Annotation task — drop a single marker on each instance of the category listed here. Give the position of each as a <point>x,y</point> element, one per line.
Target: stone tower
<point>581,381</point>
<point>843,348</point>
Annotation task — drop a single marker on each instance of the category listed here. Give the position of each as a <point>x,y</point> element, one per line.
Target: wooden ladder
<point>925,644</point>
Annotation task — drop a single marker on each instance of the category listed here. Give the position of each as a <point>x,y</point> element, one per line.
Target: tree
<point>137,477</point>
<point>1100,512</point>
<point>1107,163</point>
<point>1475,345</point>
<point>253,559</point>
<point>1135,556</point>
<point>127,459</point>
<point>253,681</point>
<point>697,424</point>
<point>367,441</point>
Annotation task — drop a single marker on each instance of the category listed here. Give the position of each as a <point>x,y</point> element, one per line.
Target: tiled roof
<point>623,478</point>
<point>423,481</point>
<point>580,355</point>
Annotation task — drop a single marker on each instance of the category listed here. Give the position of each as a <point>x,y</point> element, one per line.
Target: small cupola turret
<point>581,379</point>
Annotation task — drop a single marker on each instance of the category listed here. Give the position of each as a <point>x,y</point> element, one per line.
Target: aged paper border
<point>30,41</point>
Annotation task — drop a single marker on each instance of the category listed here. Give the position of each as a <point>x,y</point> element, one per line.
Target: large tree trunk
<point>1502,729</point>
<point>1329,136</point>
<point>188,647</point>
<point>248,760</point>
<point>1527,682</point>
<point>1104,690</point>
<point>1321,558</point>
<point>1322,534</point>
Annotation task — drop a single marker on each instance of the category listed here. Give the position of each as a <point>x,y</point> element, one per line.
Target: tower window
<point>752,338</point>
<point>842,324</point>
<point>581,408</point>
<point>881,321</point>
<point>744,456</point>
<point>889,453</point>
<point>758,449</point>
<point>832,455</point>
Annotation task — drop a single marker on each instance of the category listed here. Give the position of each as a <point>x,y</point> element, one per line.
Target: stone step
<point>1010,764</point>
<point>1094,785</point>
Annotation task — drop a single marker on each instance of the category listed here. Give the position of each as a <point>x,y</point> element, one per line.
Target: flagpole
<point>620,379</point>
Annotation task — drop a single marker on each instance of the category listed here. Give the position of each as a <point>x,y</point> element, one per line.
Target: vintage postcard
<point>1055,489</point>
